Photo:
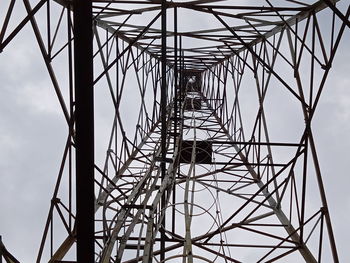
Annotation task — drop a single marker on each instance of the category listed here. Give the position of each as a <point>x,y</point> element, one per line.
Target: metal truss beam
<point>188,166</point>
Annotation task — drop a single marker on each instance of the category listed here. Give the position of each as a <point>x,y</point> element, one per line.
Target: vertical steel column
<point>163,101</point>
<point>117,108</point>
<point>176,101</point>
<point>175,76</point>
<point>84,125</point>
<point>1,252</point>
<point>181,70</point>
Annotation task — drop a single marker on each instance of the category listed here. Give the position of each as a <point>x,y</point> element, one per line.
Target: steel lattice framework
<point>195,170</point>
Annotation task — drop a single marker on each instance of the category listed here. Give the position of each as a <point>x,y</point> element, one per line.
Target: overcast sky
<point>33,133</point>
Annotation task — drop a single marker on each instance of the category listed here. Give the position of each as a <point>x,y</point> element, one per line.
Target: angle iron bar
<point>130,229</point>
<point>328,66</point>
<point>31,12</point>
<point>311,218</point>
<point>6,20</point>
<point>332,6</point>
<point>110,243</point>
<point>279,213</point>
<point>248,47</point>
<point>166,182</point>
<point>69,241</point>
<point>315,8</point>
<point>46,59</point>
<point>131,43</point>
<point>106,254</point>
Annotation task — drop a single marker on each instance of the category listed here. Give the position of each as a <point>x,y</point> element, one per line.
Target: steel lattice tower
<point>195,170</point>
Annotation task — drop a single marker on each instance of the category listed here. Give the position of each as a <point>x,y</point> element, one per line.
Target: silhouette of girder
<point>180,81</point>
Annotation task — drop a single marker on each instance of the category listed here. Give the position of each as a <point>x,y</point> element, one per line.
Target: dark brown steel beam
<point>163,106</point>
<point>84,123</point>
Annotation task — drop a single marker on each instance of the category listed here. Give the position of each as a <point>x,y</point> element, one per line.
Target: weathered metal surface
<point>180,154</point>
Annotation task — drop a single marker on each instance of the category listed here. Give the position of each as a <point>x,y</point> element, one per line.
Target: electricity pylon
<point>211,155</point>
